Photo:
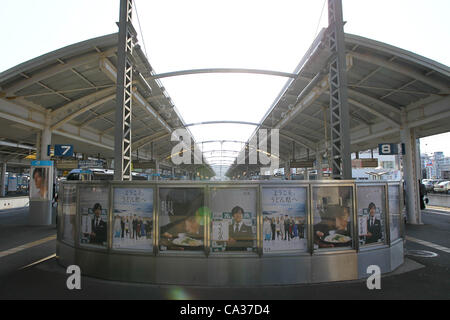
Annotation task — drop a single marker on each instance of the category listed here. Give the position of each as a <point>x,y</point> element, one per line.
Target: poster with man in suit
<point>371,216</point>
<point>240,235</point>
<point>233,210</point>
<point>373,225</point>
<point>94,216</point>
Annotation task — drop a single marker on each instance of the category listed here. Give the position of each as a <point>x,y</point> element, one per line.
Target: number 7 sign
<point>63,150</point>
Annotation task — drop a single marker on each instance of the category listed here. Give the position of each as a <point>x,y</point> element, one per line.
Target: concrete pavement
<point>429,278</point>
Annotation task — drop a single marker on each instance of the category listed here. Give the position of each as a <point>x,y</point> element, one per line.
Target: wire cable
<point>320,19</point>
<point>140,29</point>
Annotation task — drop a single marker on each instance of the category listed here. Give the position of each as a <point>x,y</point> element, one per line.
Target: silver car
<point>443,187</point>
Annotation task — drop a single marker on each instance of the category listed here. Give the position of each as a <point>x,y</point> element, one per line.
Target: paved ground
<point>428,280</point>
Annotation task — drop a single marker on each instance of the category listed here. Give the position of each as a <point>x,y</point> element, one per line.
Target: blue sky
<point>198,34</point>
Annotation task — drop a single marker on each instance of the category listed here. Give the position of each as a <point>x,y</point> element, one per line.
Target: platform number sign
<point>390,149</point>
<point>63,150</point>
<point>386,149</point>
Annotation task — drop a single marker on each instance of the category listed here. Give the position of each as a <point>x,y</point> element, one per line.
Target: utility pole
<point>339,109</point>
<point>122,146</point>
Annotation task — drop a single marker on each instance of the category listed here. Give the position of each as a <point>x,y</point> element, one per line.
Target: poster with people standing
<point>133,219</point>
<point>94,216</point>
<point>233,221</point>
<point>284,219</point>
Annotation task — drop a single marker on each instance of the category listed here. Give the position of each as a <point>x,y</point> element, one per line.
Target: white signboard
<point>220,230</point>
<point>12,183</point>
<point>86,224</point>
<point>362,222</point>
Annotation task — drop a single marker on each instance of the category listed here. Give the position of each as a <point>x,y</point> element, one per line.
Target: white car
<point>442,187</point>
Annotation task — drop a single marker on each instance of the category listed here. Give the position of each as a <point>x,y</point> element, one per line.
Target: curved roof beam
<point>305,142</point>
<point>224,141</point>
<point>223,70</point>
<point>396,67</point>
<point>83,110</point>
<point>67,109</point>
<point>397,52</point>
<point>111,72</point>
<point>221,122</point>
<point>215,151</point>
<point>357,94</point>
<point>220,157</point>
<point>146,140</point>
<point>97,117</point>
<point>375,112</point>
<point>67,65</point>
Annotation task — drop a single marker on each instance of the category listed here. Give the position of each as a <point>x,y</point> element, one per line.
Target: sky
<point>260,34</point>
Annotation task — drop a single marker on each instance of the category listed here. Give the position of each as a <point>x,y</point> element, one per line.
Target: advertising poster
<point>332,218</point>
<point>69,205</point>
<point>94,216</point>
<point>233,221</point>
<point>12,184</point>
<point>394,212</point>
<point>41,183</point>
<point>371,214</point>
<point>133,219</point>
<point>182,219</point>
<point>284,219</point>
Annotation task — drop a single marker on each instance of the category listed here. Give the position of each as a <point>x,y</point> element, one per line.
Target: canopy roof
<point>74,89</point>
<point>388,88</point>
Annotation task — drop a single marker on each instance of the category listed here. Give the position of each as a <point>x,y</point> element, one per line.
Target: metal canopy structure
<point>72,93</point>
<point>389,89</point>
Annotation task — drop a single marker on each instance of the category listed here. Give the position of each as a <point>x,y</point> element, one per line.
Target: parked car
<point>429,185</point>
<point>98,174</point>
<point>435,183</point>
<point>443,187</point>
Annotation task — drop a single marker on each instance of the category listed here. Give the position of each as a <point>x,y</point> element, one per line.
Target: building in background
<point>387,167</point>
<point>435,166</point>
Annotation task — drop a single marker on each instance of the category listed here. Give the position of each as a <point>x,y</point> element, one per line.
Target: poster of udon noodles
<point>94,216</point>
<point>182,217</point>
<point>233,223</point>
<point>332,217</point>
<point>284,219</point>
<point>133,219</point>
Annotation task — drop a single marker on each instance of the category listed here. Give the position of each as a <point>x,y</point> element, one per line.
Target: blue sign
<point>42,163</point>
<point>63,150</point>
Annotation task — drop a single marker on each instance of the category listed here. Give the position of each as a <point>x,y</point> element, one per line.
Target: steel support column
<point>3,182</point>
<point>319,164</point>
<point>122,147</point>
<point>339,109</point>
<point>156,177</point>
<point>408,137</point>
<point>38,144</point>
<point>45,139</point>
